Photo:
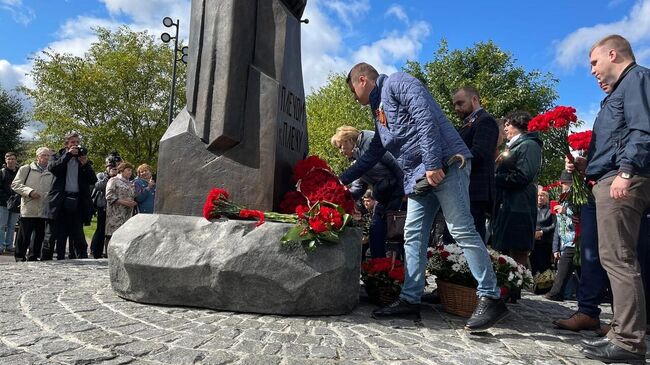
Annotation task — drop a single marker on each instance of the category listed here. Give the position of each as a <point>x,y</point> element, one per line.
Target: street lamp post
<point>166,37</point>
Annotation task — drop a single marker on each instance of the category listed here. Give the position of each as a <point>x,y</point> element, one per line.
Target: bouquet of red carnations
<point>218,205</point>
<point>554,125</point>
<point>320,207</point>
<point>321,202</point>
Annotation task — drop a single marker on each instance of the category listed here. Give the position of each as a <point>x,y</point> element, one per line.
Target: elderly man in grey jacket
<point>433,157</point>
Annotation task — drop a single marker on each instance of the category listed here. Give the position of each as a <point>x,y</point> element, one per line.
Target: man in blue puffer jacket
<point>410,124</point>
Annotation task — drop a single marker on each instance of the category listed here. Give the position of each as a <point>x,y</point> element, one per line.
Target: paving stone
<point>323,352</point>
<point>179,356</point>
<point>140,348</point>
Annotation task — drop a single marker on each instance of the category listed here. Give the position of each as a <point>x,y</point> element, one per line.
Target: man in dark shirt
<point>619,163</point>
<point>480,133</point>
<point>69,200</point>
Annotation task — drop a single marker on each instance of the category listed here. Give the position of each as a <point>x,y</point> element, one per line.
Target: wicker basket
<point>457,299</point>
<point>380,293</point>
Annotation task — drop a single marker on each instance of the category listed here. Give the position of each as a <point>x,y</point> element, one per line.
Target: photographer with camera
<point>69,200</point>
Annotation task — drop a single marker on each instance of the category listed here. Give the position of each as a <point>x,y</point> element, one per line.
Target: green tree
<point>12,121</point>
<point>503,86</point>
<point>328,108</point>
<point>116,95</point>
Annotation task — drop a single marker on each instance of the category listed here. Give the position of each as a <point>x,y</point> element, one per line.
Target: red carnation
<point>331,216</point>
<point>580,141</point>
<point>217,193</point>
<point>291,201</point>
<point>208,207</point>
<point>501,260</point>
<point>397,274</point>
<point>444,254</point>
<point>317,225</point>
<point>303,167</point>
<point>302,211</point>
<point>257,214</point>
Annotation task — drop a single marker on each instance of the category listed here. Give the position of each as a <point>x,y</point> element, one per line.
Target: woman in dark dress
<point>518,168</point>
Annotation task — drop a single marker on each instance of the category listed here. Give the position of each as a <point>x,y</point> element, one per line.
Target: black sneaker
<point>487,313</point>
<point>398,308</point>
<point>433,297</point>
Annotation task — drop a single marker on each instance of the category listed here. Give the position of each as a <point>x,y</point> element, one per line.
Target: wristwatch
<point>625,175</point>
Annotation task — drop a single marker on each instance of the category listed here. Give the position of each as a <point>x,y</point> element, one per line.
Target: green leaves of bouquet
<point>321,224</point>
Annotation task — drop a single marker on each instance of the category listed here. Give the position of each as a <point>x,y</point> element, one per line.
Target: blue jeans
<point>593,278</point>
<point>7,226</point>
<point>452,195</point>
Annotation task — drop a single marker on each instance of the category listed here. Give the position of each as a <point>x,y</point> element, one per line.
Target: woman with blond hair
<point>145,189</point>
<point>119,198</point>
<point>385,178</point>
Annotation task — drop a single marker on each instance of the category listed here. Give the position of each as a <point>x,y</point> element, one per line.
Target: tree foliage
<point>116,96</point>
<point>328,108</point>
<point>12,121</point>
<point>503,86</point>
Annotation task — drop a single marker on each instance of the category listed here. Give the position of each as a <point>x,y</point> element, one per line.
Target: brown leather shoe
<point>578,322</point>
<point>602,331</point>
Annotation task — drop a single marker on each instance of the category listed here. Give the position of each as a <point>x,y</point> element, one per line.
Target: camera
<point>113,159</point>
<point>83,151</point>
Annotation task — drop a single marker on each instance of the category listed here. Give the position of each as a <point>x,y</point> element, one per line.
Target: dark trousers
<point>593,281</point>
<point>29,226</point>
<point>619,224</point>
<point>99,237</point>
<point>480,211</point>
<point>565,269</point>
<point>540,257</point>
<point>69,225</point>
<point>377,239</point>
<point>644,258</point>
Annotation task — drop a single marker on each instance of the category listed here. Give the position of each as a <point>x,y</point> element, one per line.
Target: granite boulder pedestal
<point>232,265</point>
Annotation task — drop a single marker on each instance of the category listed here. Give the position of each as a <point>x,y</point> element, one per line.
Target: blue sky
<point>550,35</point>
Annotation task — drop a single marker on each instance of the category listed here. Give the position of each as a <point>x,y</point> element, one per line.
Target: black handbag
<point>395,220</point>
<point>13,203</point>
<point>14,200</point>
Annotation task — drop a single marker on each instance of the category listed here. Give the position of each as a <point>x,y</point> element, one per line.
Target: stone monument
<point>244,126</point>
<point>243,129</point>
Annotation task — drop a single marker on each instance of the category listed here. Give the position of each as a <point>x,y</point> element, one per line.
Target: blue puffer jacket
<point>417,133</point>
<point>621,139</point>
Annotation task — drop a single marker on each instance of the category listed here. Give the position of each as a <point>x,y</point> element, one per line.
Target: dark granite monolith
<point>244,126</point>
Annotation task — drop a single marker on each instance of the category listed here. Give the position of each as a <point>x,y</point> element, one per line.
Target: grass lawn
<point>90,230</point>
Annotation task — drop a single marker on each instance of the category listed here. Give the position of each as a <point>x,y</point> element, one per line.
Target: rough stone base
<point>231,265</point>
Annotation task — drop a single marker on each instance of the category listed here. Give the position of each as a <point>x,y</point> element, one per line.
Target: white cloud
<point>19,13</point>
<point>573,49</point>
<point>398,12</point>
<point>397,46</point>
<point>643,56</point>
<point>588,115</point>
<point>324,50</point>
<point>12,76</point>
<point>149,11</point>
<point>348,11</point>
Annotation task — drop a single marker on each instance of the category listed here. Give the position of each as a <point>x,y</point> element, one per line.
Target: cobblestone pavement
<point>67,313</point>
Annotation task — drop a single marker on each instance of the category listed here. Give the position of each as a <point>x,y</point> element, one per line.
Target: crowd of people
<point>415,160</point>
<point>51,198</point>
<point>456,172</point>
